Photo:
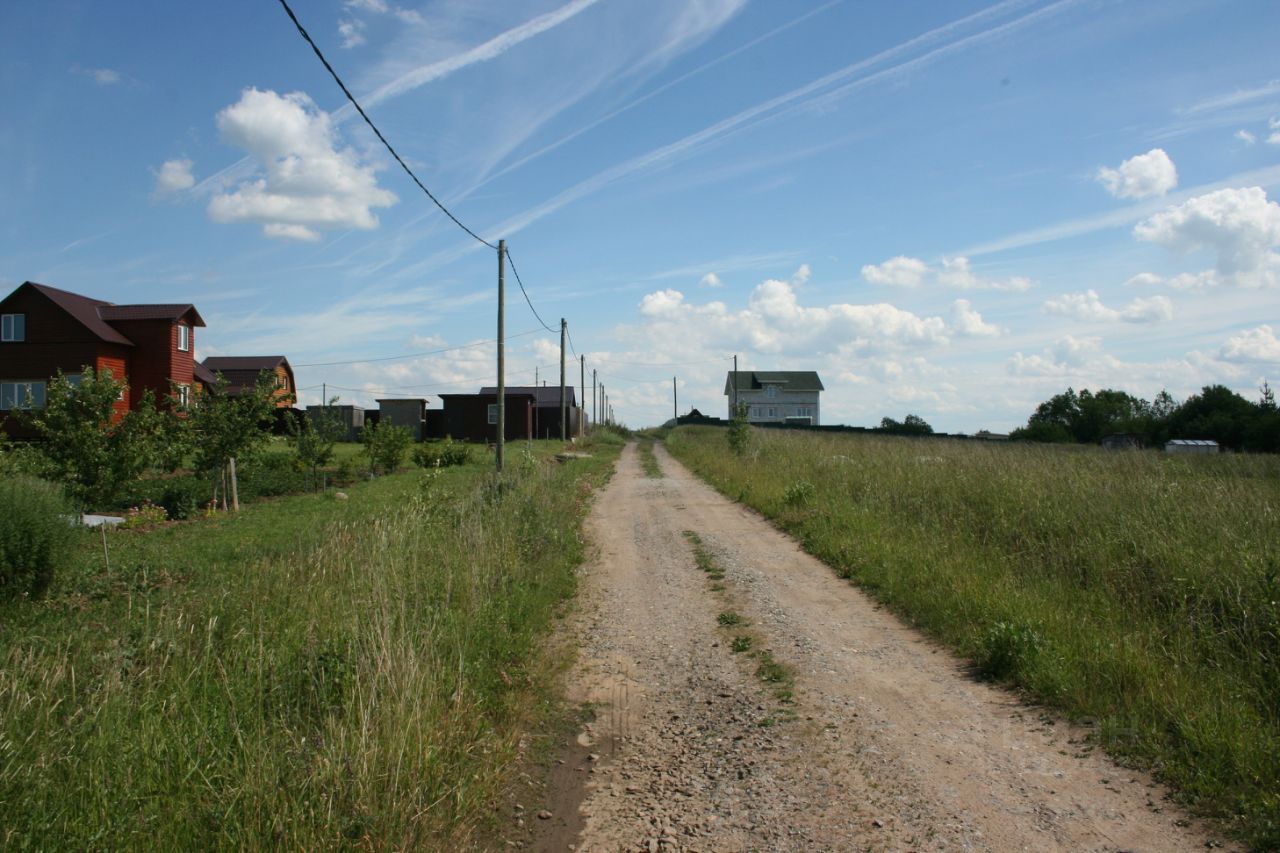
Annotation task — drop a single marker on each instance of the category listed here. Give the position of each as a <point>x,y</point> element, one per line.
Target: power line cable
<point>343,86</point>
<point>416,354</point>
<point>526,293</point>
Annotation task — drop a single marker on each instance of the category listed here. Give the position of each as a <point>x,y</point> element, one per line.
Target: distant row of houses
<point>45,331</point>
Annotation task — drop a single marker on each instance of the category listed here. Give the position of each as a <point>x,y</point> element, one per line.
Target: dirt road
<point>887,743</point>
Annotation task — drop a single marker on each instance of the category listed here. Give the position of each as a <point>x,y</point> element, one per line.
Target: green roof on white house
<point>787,380</point>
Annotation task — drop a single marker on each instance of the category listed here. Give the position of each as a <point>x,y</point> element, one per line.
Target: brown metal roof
<point>151,312</point>
<point>203,374</point>
<point>225,363</point>
<point>84,310</point>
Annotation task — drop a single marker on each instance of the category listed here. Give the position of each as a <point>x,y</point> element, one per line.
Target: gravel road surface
<point>886,743</point>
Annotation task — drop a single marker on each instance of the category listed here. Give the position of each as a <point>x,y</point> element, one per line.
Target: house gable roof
<point>83,309</point>
<point>244,362</point>
<point>788,380</point>
<point>242,371</point>
<point>174,312</point>
<point>544,395</point>
<point>97,315</point>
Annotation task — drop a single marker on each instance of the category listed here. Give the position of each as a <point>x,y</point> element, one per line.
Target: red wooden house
<point>44,330</point>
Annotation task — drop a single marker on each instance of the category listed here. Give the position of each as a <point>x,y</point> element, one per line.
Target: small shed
<point>410,413</point>
<point>1122,441</point>
<point>474,417</point>
<point>1191,445</point>
<point>351,418</point>
<point>546,408</point>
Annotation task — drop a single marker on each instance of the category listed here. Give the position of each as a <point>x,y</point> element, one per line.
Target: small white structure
<point>1191,445</point>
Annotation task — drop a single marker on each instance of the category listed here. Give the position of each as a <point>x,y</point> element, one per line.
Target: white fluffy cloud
<point>174,175</point>
<point>969,323</point>
<point>1274,138</point>
<point>775,322</point>
<point>1239,225</point>
<point>1143,176</point>
<point>307,182</point>
<point>954,273</point>
<point>352,32</point>
<point>1253,345</point>
<point>898,272</point>
<point>710,280</point>
<point>1246,137</point>
<point>1088,307</point>
<point>1064,356</point>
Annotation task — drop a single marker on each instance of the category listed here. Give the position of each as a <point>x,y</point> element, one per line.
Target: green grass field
<point>1137,590</point>
<point>313,673</point>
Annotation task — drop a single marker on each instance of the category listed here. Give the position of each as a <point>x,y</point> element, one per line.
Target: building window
<point>72,379</point>
<point>184,338</point>
<point>21,395</point>
<point>771,391</point>
<point>493,413</point>
<point>804,411</point>
<point>773,413</point>
<point>282,381</point>
<point>13,327</point>
<point>184,395</point>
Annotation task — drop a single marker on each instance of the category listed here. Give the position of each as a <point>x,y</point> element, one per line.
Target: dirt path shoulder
<point>864,737</point>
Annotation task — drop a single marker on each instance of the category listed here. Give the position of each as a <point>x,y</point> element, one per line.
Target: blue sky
<point>950,209</point>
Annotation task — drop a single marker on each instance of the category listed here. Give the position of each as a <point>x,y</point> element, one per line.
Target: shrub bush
<point>441,454</point>
<point>35,535</point>
<point>1008,649</point>
<point>385,445</point>
<point>270,475</point>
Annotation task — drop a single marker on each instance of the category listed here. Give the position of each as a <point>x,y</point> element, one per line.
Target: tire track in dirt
<point>889,745</point>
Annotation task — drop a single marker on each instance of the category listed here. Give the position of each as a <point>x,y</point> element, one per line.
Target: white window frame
<point>13,328</point>
<point>771,391</point>
<point>184,395</point>
<point>14,395</point>
<point>184,337</point>
<point>493,413</point>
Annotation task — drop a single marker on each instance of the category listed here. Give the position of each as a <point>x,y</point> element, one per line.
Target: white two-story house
<point>775,396</point>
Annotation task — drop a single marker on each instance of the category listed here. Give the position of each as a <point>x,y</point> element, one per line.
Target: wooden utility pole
<point>564,433</point>
<point>675,399</point>
<point>733,398</point>
<point>582,399</point>
<point>502,353</point>
<point>536,425</point>
<point>594,419</point>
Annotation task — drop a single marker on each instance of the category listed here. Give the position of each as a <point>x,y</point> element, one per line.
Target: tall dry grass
<point>315,674</point>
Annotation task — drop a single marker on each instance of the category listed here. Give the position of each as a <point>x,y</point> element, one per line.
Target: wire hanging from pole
<point>529,301</point>
<point>350,97</point>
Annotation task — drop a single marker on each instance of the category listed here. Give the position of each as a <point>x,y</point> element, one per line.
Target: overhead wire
<point>486,342</point>
<point>529,301</point>
<point>350,97</point>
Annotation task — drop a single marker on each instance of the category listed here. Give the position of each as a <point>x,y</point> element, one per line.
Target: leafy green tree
<point>386,445</point>
<point>225,427</point>
<point>910,425</point>
<point>313,437</point>
<point>1217,413</point>
<point>88,446</point>
<point>739,430</point>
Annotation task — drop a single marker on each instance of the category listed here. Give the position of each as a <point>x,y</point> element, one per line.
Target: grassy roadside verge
<point>1140,591</point>
<point>314,673</point>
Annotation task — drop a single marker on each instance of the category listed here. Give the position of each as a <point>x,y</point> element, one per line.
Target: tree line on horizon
<point>1216,413</point>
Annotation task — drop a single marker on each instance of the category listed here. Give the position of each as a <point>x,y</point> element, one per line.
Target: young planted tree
<point>386,445</point>
<point>313,437</point>
<point>226,429</point>
<point>739,430</point>
<point>85,445</point>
